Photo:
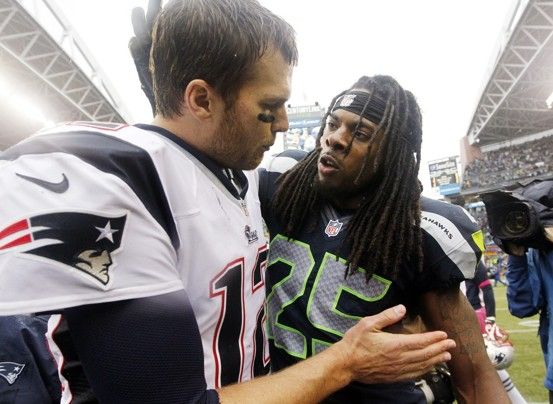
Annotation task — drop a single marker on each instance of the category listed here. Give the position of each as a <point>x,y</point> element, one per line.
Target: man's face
<point>242,139</point>
<point>337,170</point>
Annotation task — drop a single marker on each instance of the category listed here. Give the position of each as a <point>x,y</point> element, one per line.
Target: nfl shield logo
<point>333,228</point>
<point>347,100</point>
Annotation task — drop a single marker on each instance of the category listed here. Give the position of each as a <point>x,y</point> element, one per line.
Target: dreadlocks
<point>385,230</point>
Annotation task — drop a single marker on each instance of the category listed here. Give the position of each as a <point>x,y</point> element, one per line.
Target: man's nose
<point>339,139</point>
<point>280,124</point>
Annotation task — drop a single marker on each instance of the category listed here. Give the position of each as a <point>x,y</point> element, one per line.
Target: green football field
<point>528,368</point>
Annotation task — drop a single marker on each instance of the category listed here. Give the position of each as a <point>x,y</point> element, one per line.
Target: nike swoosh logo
<point>57,187</point>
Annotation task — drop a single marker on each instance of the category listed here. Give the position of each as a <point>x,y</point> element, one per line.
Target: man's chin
<point>333,191</point>
<point>248,164</point>
<point>324,188</point>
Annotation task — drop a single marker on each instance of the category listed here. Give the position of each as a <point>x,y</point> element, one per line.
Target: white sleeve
<point>73,234</point>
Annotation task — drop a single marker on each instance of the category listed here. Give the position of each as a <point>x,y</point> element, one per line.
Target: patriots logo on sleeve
<point>11,371</point>
<point>83,241</point>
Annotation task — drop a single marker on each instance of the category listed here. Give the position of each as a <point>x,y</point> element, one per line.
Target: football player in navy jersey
<point>148,239</point>
<point>351,236</point>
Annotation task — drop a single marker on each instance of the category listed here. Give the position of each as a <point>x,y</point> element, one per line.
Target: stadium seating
<point>504,166</point>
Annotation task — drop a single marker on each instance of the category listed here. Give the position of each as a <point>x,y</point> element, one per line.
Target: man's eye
<point>271,107</point>
<point>362,135</point>
<point>331,125</point>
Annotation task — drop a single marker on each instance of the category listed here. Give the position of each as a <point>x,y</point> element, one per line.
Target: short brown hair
<point>218,41</point>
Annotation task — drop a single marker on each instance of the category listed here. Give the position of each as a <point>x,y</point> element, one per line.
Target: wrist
<point>340,356</point>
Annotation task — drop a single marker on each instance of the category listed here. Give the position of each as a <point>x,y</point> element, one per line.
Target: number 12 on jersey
<point>231,349</point>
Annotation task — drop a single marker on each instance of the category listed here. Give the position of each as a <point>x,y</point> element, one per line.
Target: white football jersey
<point>93,214</point>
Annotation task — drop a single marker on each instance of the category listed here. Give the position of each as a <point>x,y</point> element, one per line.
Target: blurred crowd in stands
<point>506,165</point>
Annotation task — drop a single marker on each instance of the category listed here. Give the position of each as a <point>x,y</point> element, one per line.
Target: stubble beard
<point>227,145</point>
<point>338,194</point>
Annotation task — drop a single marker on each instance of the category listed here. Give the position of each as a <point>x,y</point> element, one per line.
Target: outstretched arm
<point>130,348</point>
<point>474,378</point>
<point>365,354</point>
<point>145,350</point>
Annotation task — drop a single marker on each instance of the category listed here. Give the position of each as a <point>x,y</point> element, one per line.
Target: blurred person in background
<point>530,274</point>
<point>480,295</point>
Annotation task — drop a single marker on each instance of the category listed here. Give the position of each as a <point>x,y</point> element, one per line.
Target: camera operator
<point>522,225</point>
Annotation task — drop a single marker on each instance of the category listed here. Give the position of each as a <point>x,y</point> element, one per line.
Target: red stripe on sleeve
<point>14,228</point>
<point>19,241</point>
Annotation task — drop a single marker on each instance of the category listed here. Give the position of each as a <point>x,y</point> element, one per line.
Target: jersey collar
<point>209,163</point>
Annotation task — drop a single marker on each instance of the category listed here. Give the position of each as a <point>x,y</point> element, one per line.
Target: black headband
<point>356,102</point>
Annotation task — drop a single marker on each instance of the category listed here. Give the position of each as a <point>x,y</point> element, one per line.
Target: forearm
<point>130,348</point>
<point>365,354</point>
<point>473,393</point>
<point>474,378</point>
<point>309,381</point>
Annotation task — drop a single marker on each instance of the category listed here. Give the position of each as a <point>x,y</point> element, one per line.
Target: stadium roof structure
<point>517,98</point>
<point>47,72</point>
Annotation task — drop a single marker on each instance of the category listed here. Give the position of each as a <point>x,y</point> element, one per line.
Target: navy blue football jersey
<point>28,366</point>
<point>311,303</point>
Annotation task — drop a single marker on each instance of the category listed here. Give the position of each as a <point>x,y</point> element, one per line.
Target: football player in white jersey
<point>149,239</point>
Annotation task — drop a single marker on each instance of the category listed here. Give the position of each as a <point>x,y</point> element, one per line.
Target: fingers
<point>417,361</point>
<point>142,23</point>
<point>138,20</point>
<point>423,340</point>
<point>401,357</point>
<point>376,356</point>
<point>422,347</point>
<point>385,318</point>
<point>438,350</point>
<point>141,43</point>
<point>154,7</point>
<point>418,368</point>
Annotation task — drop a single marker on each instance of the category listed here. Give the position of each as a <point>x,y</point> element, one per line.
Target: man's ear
<point>201,100</point>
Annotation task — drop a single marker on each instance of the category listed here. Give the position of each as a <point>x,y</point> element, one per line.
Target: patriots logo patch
<point>499,357</point>
<point>83,241</point>
<point>333,228</point>
<point>11,371</point>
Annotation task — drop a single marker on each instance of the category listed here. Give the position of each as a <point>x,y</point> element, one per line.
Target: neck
<point>184,129</point>
<point>346,202</point>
